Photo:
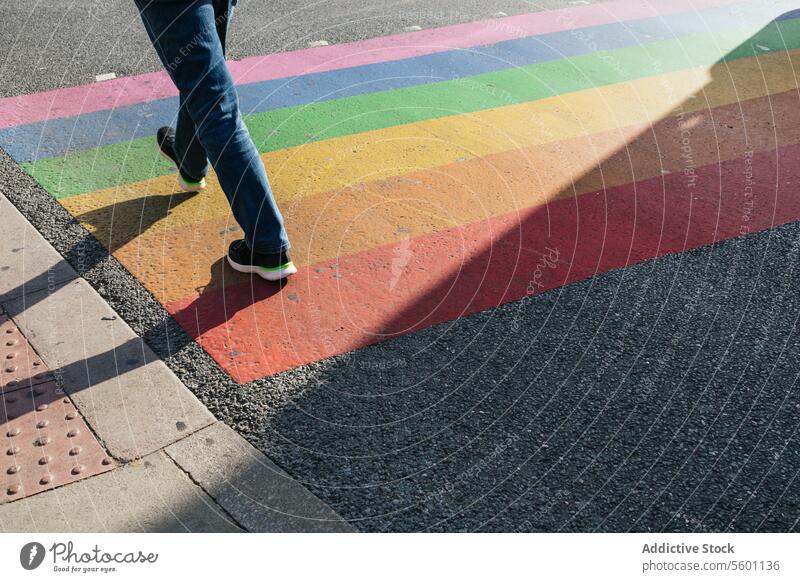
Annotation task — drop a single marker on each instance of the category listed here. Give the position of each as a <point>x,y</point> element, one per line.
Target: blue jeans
<point>189,37</point>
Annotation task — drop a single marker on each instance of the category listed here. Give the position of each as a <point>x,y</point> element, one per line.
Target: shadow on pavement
<point>118,224</point>
<point>654,398</point>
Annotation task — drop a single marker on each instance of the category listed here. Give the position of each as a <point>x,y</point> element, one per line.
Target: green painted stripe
<point>89,170</point>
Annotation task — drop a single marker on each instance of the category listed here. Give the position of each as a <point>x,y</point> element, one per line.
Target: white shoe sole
<point>268,274</point>
<point>186,186</point>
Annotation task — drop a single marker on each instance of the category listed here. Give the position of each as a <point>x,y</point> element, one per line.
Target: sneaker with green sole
<point>269,266</point>
<point>165,137</point>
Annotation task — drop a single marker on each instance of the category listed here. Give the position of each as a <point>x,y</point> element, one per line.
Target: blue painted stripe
<point>59,136</point>
<point>789,15</point>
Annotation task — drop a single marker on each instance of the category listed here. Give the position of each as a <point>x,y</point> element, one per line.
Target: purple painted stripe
<point>71,101</point>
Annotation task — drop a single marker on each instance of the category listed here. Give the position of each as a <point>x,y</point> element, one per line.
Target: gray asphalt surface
<point>659,397</point>
<point>46,44</point>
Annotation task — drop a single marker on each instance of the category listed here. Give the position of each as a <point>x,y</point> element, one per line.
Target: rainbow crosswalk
<point>429,175</point>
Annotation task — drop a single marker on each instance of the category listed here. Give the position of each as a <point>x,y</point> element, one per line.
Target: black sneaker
<point>165,137</point>
<point>270,266</point>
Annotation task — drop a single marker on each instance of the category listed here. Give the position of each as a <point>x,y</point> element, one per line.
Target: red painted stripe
<point>125,91</point>
<point>393,290</point>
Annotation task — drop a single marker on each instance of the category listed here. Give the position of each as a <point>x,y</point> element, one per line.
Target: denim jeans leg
<point>192,156</point>
<point>223,12</point>
<point>186,37</point>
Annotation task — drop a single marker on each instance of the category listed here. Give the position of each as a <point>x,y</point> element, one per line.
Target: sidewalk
<point>99,435</point>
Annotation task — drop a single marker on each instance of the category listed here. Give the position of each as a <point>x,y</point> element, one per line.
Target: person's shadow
<point>120,223</point>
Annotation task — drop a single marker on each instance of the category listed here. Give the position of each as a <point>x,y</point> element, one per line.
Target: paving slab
<point>20,366</point>
<point>28,263</point>
<point>149,495</point>
<point>250,487</point>
<point>47,443</point>
<point>129,397</point>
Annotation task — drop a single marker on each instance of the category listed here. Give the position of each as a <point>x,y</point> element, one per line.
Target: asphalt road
<point>48,44</point>
<point>658,397</point>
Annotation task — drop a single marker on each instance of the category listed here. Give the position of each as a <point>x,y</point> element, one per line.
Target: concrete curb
<point>251,488</point>
<point>184,470</point>
<point>28,263</point>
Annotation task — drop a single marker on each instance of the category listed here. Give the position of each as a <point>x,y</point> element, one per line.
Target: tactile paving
<point>20,366</point>
<point>46,443</point>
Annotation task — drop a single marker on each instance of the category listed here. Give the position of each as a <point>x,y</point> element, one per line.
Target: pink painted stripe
<point>125,91</point>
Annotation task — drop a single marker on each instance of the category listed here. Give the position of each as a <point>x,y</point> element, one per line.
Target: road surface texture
<point>548,250</point>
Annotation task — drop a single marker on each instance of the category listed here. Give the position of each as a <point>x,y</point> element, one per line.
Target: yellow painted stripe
<point>341,222</point>
<point>367,157</point>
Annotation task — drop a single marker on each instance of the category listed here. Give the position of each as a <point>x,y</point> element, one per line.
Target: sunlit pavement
<point>546,263</point>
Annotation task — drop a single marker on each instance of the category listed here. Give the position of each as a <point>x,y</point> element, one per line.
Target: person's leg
<point>191,153</point>
<point>223,12</point>
<point>186,37</point>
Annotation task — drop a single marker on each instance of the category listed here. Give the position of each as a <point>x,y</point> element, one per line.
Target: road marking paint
<point>147,234</point>
<point>396,111</point>
<point>369,157</point>
<point>497,75</point>
<point>147,87</point>
<point>478,266</point>
<point>456,176</point>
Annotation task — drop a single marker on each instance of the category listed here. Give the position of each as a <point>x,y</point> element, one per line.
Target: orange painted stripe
<point>255,329</point>
<point>176,263</point>
<point>376,155</point>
